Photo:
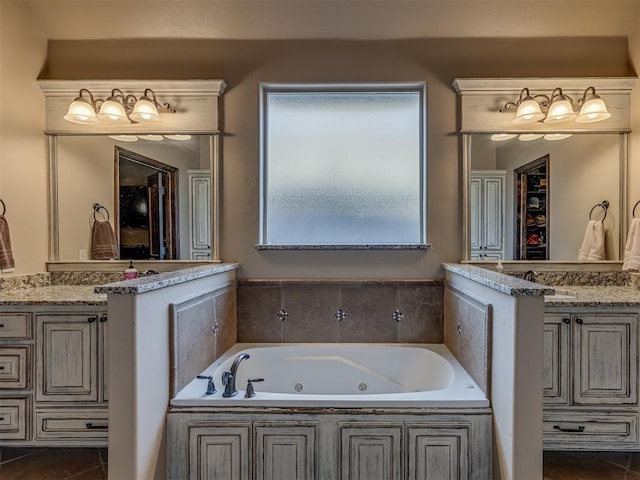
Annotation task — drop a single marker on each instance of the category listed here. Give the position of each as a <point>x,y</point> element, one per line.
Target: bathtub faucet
<point>229,378</point>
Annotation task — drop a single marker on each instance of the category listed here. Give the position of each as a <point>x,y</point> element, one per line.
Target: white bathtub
<point>340,375</point>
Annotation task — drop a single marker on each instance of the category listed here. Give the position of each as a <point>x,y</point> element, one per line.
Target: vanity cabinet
<point>301,446</point>
<point>591,380</point>
<point>53,376</point>
<point>200,214</point>
<point>487,190</point>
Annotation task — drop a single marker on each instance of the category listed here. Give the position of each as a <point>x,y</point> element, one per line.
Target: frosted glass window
<point>343,166</point>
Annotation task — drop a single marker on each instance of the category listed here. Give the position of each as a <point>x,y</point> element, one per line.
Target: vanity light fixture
<point>117,109</point>
<point>558,107</point>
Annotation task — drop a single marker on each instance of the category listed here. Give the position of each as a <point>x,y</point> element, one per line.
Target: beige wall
<point>243,64</point>
<point>23,147</point>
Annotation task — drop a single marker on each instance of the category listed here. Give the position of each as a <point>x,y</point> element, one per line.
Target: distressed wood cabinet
<point>200,214</point>
<point>53,376</point>
<point>487,214</point>
<point>591,380</point>
<point>246,444</point>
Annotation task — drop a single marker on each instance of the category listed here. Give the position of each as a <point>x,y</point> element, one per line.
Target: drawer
<point>590,429</point>
<point>15,325</point>
<point>14,371</point>
<point>71,424</point>
<point>13,418</point>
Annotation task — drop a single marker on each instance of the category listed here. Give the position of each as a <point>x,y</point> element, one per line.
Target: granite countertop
<point>503,283</point>
<point>594,296</point>
<point>53,295</point>
<point>162,280</point>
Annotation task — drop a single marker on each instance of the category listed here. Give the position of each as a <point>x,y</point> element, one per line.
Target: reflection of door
<point>146,207</point>
<point>532,210</point>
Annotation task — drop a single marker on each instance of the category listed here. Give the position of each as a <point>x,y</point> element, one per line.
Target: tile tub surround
<point>348,311</point>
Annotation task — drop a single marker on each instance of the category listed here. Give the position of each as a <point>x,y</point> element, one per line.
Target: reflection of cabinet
<point>487,214</point>
<point>200,214</point>
<point>532,210</point>
<point>590,380</point>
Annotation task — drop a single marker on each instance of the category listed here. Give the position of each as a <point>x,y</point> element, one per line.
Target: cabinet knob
<point>103,318</point>
<point>566,320</point>
<point>92,319</point>
<point>579,321</point>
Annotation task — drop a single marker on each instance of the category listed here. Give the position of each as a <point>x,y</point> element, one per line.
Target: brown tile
<point>369,310</point>
<point>11,453</point>
<point>52,464</point>
<point>628,460</point>
<point>257,309</point>
<point>311,309</point>
<point>96,473</point>
<point>583,466</point>
<point>422,308</point>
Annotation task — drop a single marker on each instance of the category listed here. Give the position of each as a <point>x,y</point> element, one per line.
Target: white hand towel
<point>592,249</point>
<point>632,249</point>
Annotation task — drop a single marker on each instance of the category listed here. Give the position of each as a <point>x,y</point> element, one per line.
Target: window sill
<point>412,246</point>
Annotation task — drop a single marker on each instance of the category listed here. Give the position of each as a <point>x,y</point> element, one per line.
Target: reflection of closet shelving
<point>532,213</point>
<point>487,214</point>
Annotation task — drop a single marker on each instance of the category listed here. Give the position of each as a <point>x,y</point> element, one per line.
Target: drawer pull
<point>1,367</point>
<point>91,426</point>
<point>578,429</point>
<point>1,325</point>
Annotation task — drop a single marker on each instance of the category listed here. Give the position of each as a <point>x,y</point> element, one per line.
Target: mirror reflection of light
<point>124,138</point>
<point>557,136</point>
<point>527,137</point>
<point>503,137</point>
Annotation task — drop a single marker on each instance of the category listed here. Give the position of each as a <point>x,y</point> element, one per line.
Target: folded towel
<point>6,254</point>
<point>592,249</point>
<point>632,249</point>
<point>103,242</point>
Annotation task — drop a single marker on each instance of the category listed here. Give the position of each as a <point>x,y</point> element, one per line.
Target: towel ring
<point>604,205</point>
<point>96,208</point>
<point>4,207</point>
<point>633,214</point>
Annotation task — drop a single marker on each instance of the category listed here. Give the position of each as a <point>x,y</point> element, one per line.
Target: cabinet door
<point>493,213</point>
<point>556,359</point>
<point>220,452</point>
<point>200,190</point>
<point>285,452</point>
<point>605,359</point>
<point>475,192</point>
<point>66,362</point>
<point>103,359</point>
<point>438,453</point>
<point>371,452</point>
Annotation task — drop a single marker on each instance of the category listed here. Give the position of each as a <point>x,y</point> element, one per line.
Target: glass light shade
<point>178,136</point>
<point>593,110</point>
<point>527,137</point>
<point>502,137</point>
<point>124,138</point>
<point>557,136</point>
<point>153,138</point>
<point>560,111</point>
<point>145,111</point>
<point>113,112</point>
<point>528,112</point>
<point>81,111</point>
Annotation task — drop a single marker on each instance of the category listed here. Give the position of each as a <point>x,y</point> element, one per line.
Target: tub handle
<point>211,387</point>
<point>250,393</point>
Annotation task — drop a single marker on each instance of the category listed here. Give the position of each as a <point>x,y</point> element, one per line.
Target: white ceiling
<point>354,19</point>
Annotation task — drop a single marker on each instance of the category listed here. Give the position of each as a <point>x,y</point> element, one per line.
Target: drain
<point>362,387</point>
<point>298,387</point>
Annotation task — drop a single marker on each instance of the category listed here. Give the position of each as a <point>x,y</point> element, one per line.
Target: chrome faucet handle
<point>250,393</point>
<point>211,387</point>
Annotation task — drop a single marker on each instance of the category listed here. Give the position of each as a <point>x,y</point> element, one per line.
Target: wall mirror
<point>125,178</point>
<point>154,181</point>
<point>568,179</point>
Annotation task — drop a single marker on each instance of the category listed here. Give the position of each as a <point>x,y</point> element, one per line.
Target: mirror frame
<point>481,100</point>
<point>196,104</point>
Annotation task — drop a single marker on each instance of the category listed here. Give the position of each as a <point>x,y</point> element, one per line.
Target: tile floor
<point>53,463</point>
<point>91,464</point>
